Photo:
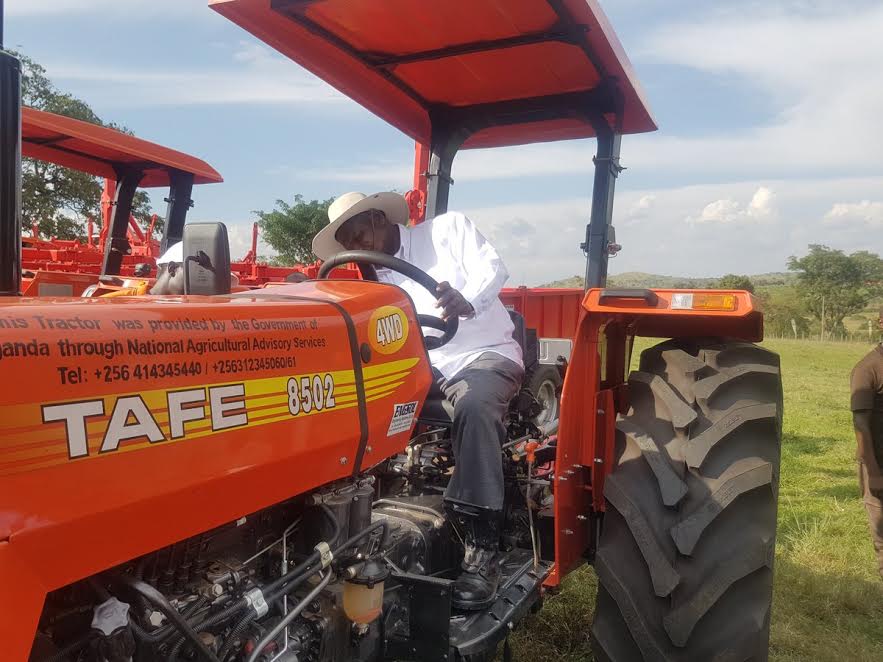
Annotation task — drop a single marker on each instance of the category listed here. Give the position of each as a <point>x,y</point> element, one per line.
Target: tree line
<point>60,200</point>
<point>830,287</point>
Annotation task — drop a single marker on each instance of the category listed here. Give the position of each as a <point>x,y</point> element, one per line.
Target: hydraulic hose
<point>306,570</point>
<point>299,570</point>
<point>313,558</point>
<point>173,652</point>
<point>364,533</point>
<point>294,574</point>
<point>241,626</point>
<point>141,605</point>
<point>294,582</point>
<point>288,618</point>
<point>159,601</point>
<point>237,631</point>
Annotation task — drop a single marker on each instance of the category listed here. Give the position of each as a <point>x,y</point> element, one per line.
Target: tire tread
<point>705,527</point>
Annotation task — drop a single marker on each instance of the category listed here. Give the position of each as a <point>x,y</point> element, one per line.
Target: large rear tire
<point>544,385</point>
<point>685,559</point>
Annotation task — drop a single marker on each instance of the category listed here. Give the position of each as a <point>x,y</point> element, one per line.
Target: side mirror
<point>206,259</point>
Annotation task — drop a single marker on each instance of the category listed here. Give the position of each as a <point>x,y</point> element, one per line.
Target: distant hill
<point>641,279</point>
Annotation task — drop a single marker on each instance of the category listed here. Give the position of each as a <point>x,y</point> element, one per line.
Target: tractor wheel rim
<point>548,401</point>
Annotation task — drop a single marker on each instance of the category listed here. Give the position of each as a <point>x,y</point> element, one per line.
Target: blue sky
<point>769,112</point>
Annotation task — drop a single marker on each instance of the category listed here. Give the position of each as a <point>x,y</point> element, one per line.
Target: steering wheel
<point>376,259</point>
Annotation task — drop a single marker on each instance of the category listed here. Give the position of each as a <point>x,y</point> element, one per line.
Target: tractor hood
<point>128,424</point>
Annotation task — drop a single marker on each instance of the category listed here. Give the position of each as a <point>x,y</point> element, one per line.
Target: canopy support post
<point>446,140</point>
<point>10,175</point>
<point>117,246</point>
<point>180,201</point>
<point>607,169</point>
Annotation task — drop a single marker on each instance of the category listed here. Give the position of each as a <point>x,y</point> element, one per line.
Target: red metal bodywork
<point>553,312</point>
<point>110,505</point>
<point>98,150</point>
<point>401,27</point>
<point>595,391</point>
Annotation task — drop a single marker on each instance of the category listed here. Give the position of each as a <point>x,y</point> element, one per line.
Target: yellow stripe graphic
<point>266,401</point>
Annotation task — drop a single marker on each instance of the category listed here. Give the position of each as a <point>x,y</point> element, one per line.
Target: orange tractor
<point>258,476</point>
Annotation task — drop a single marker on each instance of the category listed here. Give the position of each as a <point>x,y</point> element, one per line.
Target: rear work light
<point>697,301</point>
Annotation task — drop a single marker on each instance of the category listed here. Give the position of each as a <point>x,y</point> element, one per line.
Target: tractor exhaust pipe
<point>10,171</point>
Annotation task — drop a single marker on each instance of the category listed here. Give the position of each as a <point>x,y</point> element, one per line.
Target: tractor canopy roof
<point>529,70</point>
<point>105,152</point>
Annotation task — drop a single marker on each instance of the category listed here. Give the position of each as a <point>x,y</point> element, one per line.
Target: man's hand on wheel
<point>452,303</point>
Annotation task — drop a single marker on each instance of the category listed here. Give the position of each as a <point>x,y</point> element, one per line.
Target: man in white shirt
<point>479,370</point>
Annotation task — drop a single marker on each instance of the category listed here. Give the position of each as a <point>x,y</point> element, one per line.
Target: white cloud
<point>820,69</point>
<point>540,242</point>
<point>639,210</point>
<point>864,214</point>
<point>761,205</point>
<point>719,211</point>
<point>727,210</point>
<point>644,203</point>
<point>255,75</point>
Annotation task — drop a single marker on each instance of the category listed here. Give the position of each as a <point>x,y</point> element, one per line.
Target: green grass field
<point>828,599</point>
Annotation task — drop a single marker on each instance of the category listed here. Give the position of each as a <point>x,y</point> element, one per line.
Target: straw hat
<point>348,205</point>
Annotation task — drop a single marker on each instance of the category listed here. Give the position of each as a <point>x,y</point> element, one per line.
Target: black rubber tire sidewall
<point>685,557</point>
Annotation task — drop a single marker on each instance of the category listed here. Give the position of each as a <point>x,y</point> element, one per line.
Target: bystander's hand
<point>452,303</point>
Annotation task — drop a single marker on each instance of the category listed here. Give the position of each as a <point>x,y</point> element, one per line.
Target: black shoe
<point>476,587</point>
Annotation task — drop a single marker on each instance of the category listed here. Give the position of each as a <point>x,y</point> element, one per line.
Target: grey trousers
<point>480,394</point>
<point>874,508</point>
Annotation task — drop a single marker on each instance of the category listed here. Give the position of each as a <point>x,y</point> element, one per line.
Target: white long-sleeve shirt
<point>450,248</point>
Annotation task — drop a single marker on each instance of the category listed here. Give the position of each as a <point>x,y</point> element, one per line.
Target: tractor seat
<point>437,410</point>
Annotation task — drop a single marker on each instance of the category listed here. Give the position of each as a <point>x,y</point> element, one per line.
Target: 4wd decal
<point>388,330</point>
